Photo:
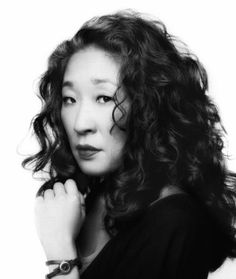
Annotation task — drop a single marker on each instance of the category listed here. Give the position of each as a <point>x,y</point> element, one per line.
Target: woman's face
<point>90,81</point>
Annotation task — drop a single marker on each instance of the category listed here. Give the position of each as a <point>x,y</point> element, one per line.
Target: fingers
<point>59,189</point>
<point>72,190</point>
<point>71,187</point>
<point>48,194</point>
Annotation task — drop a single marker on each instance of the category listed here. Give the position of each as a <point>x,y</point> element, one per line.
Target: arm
<point>62,250</point>
<point>59,216</point>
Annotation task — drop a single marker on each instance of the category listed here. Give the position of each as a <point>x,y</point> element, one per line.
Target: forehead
<point>95,64</point>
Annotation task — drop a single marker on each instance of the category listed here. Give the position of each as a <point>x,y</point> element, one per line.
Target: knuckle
<point>74,200</point>
<point>70,182</point>
<point>60,197</point>
<point>57,185</point>
<point>48,191</point>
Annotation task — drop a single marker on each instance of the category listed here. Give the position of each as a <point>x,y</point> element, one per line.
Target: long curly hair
<point>174,131</point>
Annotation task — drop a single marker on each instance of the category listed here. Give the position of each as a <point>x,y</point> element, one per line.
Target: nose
<point>85,120</point>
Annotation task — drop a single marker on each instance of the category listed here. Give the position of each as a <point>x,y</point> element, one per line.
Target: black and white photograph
<point>118,139</point>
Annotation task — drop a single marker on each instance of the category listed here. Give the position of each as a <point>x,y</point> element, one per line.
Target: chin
<point>94,170</point>
<point>98,167</point>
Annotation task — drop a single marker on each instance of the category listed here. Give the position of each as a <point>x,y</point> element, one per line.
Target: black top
<point>173,240</point>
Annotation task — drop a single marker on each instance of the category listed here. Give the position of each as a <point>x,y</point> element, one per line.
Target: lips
<point>86,151</point>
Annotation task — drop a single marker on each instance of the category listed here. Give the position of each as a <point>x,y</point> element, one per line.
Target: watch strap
<point>55,272</point>
<point>65,266</point>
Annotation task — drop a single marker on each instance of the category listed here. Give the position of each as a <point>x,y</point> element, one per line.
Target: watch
<point>64,267</point>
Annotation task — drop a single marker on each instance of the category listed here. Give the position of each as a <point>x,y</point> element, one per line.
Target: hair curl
<point>174,131</point>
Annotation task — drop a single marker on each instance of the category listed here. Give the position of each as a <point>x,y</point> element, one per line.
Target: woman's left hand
<point>59,216</point>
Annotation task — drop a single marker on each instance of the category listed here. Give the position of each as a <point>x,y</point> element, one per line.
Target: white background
<point>29,31</point>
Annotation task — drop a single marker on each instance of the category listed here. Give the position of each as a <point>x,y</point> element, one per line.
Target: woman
<point>138,186</point>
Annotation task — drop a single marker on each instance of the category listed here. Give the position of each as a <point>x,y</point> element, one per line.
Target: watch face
<point>65,267</point>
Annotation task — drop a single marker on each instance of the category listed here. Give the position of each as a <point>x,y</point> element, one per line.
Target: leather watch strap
<point>65,266</point>
<point>55,272</point>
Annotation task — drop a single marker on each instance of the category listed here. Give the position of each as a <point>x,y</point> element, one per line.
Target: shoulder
<point>173,235</point>
<point>177,228</point>
<point>177,205</point>
<point>176,212</point>
<point>165,243</point>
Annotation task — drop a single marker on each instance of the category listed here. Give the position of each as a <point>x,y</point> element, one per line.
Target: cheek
<point>66,122</point>
<point>103,121</point>
<point>116,149</point>
<point>117,137</point>
<point>117,140</point>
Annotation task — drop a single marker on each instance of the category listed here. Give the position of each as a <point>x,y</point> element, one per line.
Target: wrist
<point>63,267</point>
<point>60,250</point>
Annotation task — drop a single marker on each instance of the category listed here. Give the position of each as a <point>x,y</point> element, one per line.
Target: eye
<point>104,99</point>
<point>68,100</point>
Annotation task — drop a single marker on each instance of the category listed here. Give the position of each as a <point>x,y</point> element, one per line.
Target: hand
<point>59,216</point>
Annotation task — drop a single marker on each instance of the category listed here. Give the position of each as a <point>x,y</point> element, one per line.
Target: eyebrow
<point>95,81</point>
<point>67,84</point>
<point>99,81</point>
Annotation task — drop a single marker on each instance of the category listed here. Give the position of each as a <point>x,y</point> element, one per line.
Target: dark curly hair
<point>174,131</point>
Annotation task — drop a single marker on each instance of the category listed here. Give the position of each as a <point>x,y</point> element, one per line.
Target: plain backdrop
<point>29,31</point>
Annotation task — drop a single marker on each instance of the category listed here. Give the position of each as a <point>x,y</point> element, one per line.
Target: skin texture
<point>87,109</point>
<point>59,215</point>
<point>87,118</point>
<point>175,134</point>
